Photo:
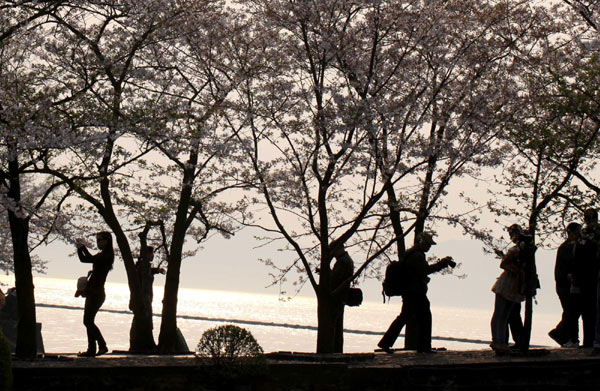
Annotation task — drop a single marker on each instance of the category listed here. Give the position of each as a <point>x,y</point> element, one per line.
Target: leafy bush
<point>228,343</point>
<point>237,359</point>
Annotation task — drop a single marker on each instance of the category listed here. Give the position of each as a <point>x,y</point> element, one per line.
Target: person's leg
<point>516,324</point>
<point>89,313</point>
<point>425,322</point>
<point>101,342</point>
<point>92,304</point>
<point>392,333</point>
<point>560,333</point>
<point>588,315</point>
<point>499,323</point>
<point>572,317</point>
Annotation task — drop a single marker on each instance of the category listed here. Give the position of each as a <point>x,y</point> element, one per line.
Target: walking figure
<point>414,296</point>
<point>565,333</point>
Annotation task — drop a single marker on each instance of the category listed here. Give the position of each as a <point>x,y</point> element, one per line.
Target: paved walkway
<point>358,360</point>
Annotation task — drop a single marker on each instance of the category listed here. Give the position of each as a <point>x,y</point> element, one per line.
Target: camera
<point>450,262</point>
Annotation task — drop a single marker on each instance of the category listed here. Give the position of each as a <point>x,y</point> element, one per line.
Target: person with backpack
<point>342,270</point>
<point>411,284</point>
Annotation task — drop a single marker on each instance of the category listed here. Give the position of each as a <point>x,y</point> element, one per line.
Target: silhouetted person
<point>102,263</point>
<point>509,294</point>
<point>564,333</point>
<point>342,270</point>
<point>585,278</point>
<point>145,273</point>
<point>592,227</point>
<point>414,300</point>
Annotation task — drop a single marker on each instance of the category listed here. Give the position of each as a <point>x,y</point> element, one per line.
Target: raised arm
<point>439,265</point>
<point>84,255</point>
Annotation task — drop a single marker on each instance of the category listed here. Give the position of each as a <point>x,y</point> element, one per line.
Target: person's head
<point>590,216</point>
<point>514,232</point>
<point>424,241</point>
<point>573,231</point>
<point>104,241</point>
<point>339,251</point>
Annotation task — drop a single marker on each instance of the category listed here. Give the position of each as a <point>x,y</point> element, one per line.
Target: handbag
<point>354,297</point>
<point>81,286</point>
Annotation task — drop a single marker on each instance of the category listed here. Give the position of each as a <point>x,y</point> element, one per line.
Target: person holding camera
<point>414,299</point>
<point>102,263</point>
<point>509,289</point>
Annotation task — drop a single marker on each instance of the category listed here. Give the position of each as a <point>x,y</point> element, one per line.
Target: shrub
<point>228,343</point>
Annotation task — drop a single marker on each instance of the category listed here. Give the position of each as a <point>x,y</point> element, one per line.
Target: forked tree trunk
<point>168,339</point>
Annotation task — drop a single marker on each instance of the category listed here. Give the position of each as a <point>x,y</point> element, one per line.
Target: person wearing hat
<point>414,300</point>
<point>509,291</point>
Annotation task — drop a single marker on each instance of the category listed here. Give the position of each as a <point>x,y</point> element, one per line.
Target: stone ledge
<point>559,369</point>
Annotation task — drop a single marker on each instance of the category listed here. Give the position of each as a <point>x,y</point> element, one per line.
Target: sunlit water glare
<point>63,331</point>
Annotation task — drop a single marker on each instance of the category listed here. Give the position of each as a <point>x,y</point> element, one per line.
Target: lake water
<point>277,325</point>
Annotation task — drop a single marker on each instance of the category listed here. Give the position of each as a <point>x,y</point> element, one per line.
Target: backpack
<point>396,278</point>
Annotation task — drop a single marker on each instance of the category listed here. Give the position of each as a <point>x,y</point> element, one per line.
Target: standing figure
<point>342,270</point>
<point>145,273</point>
<point>564,334</point>
<point>509,289</point>
<point>102,263</point>
<point>585,278</point>
<point>414,298</point>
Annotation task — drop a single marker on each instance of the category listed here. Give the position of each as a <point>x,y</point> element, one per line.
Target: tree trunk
<point>326,331</point>
<point>141,339</point>
<point>167,340</point>
<point>19,227</point>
